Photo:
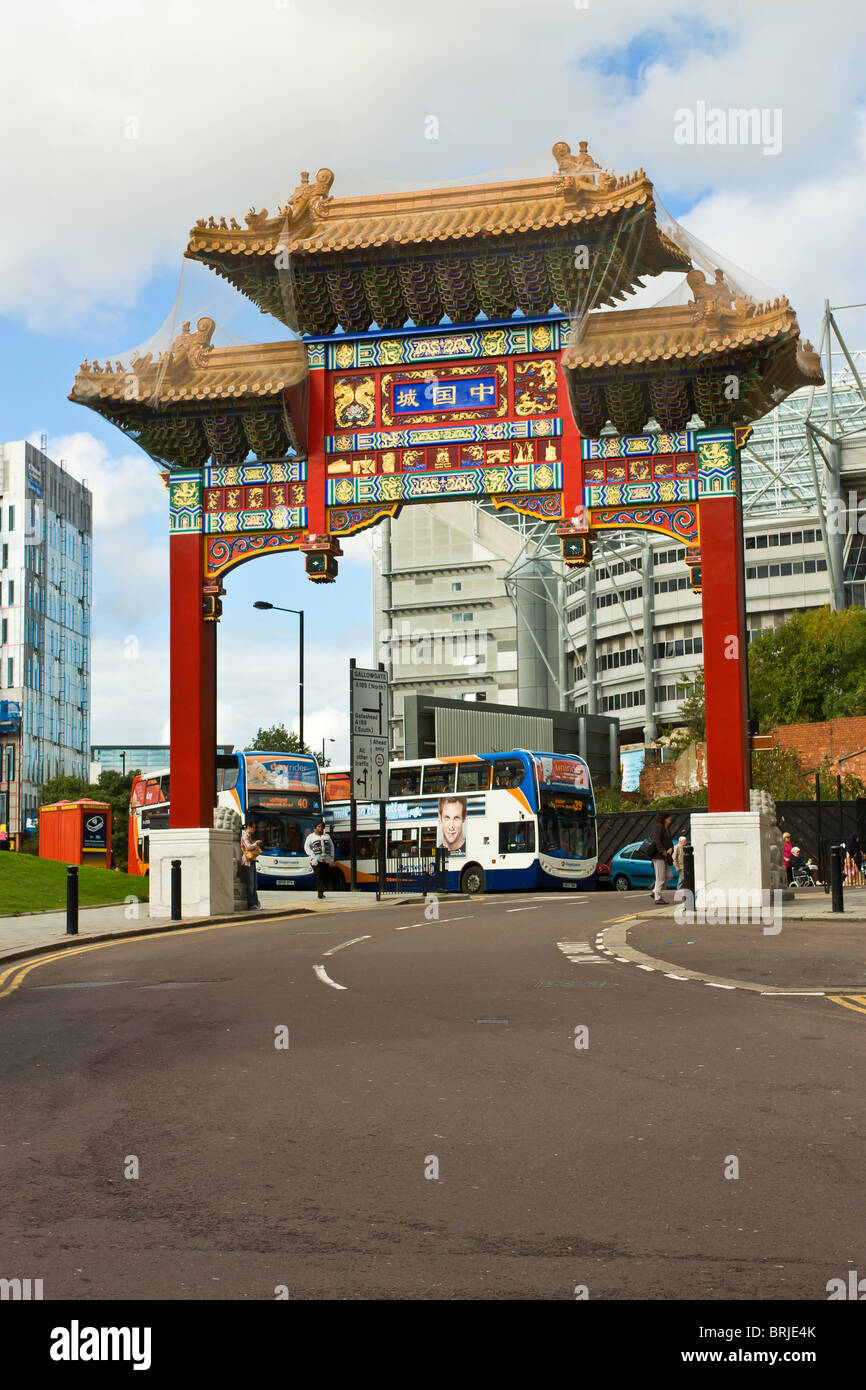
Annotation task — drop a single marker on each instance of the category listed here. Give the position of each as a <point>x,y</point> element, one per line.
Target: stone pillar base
<point>207,872</point>
<point>738,852</point>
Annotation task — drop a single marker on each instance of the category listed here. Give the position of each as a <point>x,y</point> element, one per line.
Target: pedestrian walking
<point>787,850</point>
<point>678,856</point>
<point>251,848</point>
<point>855,854</point>
<point>663,849</point>
<point>319,849</point>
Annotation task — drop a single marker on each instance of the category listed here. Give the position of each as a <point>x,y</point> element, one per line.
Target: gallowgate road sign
<point>368,722</point>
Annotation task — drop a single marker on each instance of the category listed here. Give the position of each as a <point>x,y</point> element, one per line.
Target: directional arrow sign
<point>370,768</point>
<point>368,720</point>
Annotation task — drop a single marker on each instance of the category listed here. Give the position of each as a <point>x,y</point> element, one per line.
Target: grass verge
<point>28,884</point>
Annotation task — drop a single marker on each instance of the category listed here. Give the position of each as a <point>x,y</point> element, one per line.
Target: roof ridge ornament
<point>309,198</point>
<point>711,300</point>
<point>580,171</point>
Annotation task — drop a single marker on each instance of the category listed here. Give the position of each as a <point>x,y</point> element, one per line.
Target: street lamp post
<point>300,612</point>
<point>324,741</point>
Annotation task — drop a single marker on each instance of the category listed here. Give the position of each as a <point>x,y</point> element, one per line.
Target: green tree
<point>781,772</point>
<point>693,713</point>
<point>693,710</point>
<point>279,739</point>
<point>811,668</point>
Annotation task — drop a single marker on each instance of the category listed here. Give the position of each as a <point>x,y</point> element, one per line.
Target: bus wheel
<point>336,882</point>
<point>472,879</point>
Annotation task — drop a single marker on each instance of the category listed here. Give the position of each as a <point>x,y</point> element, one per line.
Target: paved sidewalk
<point>825,957</point>
<point>31,933</point>
<point>809,905</point>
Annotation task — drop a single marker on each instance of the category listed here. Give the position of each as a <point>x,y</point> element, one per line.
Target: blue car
<point>629,871</point>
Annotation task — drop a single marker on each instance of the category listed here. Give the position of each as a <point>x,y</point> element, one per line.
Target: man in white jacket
<point>319,849</point>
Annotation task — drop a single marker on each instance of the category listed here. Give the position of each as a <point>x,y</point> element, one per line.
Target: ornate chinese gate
<point>348,427</point>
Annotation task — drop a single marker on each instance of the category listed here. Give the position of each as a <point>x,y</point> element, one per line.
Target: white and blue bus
<point>281,792</point>
<point>511,820</point>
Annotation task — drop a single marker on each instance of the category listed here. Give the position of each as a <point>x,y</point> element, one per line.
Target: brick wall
<point>830,742</point>
<point>688,773</point>
<point>658,779</point>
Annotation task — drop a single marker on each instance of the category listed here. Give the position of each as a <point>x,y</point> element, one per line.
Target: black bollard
<point>176,913</point>
<point>687,879</point>
<point>836,878</point>
<point>72,900</point>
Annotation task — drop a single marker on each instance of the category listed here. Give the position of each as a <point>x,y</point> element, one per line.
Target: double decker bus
<point>511,820</point>
<point>280,792</point>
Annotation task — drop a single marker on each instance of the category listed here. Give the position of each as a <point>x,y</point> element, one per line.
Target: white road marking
<point>798,993</point>
<point>325,978</point>
<point>523,909</point>
<point>580,953</point>
<point>670,976</point>
<point>344,944</point>
<point>462,918</point>
<point>640,967</point>
<point>712,985</point>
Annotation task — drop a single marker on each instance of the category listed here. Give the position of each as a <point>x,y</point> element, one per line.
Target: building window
<point>10,671</point>
<point>10,762</point>
<point>456,587</point>
<point>10,591</point>
<point>11,518</point>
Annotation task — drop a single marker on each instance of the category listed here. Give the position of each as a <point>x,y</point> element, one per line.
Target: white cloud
<point>125,122</point>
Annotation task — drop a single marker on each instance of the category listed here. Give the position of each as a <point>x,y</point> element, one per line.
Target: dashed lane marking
<point>580,953</point>
<point>411,925</point>
<point>343,944</point>
<point>13,977</point>
<point>325,977</point>
<point>618,939</point>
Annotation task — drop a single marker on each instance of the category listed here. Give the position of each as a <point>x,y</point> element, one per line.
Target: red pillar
<point>572,467</point>
<point>316,431</point>
<point>724,629</point>
<point>193,688</point>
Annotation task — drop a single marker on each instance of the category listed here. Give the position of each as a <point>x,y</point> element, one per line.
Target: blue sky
<point>125,120</point>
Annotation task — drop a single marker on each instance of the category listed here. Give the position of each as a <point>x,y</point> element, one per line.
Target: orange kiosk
<point>76,832</point>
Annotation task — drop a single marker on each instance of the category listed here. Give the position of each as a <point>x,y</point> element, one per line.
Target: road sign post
<point>369,705</point>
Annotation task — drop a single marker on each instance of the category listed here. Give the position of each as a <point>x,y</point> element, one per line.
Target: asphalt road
<point>449,1050</point>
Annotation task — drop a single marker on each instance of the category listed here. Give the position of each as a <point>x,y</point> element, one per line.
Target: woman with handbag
<point>663,848</point>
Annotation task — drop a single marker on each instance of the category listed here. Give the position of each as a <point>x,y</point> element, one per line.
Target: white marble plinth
<point>737,852</point>
<point>207,871</point>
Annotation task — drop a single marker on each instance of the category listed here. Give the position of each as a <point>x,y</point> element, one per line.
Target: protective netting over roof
<point>504,244</point>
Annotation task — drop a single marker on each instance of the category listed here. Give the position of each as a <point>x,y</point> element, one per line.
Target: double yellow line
<point>849,1001</point>
<point>11,978</point>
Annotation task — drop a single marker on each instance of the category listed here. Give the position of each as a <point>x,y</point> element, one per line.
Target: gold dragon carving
<point>309,198</point>
<point>354,401</point>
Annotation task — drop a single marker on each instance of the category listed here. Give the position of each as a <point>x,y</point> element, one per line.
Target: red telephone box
<point>76,832</point>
